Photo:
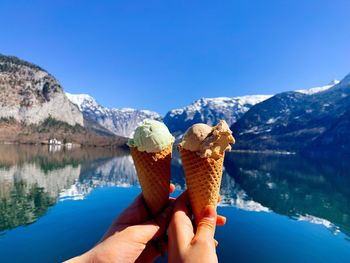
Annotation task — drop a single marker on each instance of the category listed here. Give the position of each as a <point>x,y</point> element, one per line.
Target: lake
<point>55,204</point>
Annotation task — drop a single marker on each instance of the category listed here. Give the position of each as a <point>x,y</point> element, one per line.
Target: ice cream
<point>151,150</point>
<point>195,135</point>
<point>202,153</point>
<point>208,141</point>
<point>151,136</point>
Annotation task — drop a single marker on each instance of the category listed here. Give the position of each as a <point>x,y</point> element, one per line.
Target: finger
<point>156,227</point>
<point>171,188</point>
<point>149,253</point>
<point>136,213</point>
<point>220,220</point>
<point>206,226</point>
<point>163,219</point>
<point>182,203</point>
<point>180,230</point>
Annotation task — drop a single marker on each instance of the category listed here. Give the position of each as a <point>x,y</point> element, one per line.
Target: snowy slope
<point>298,121</point>
<point>210,111</point>
<point>119,121</point>
<point>318,89</point>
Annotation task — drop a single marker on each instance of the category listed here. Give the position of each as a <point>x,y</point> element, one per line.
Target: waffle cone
<point>153,171</point>
<point>203,179</point>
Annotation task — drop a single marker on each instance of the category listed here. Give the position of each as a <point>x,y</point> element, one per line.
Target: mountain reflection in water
<point>32,179</point>
<point>308,189</point>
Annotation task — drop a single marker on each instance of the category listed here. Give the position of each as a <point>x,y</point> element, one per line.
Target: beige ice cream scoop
<point>195,135</point>
<point>208,141</point>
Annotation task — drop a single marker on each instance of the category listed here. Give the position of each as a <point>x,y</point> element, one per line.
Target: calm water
<point>54,205</point>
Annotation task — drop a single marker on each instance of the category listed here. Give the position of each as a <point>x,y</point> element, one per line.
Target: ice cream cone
<point>203,179</point>
<point>153,171</point>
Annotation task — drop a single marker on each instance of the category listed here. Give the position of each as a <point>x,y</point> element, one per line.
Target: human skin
<point>131,236</point>
<point>187,245</point>
<point>134,236</point>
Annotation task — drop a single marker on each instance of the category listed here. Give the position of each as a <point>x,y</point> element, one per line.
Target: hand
<point>187,246</point>
<point>131,237</point>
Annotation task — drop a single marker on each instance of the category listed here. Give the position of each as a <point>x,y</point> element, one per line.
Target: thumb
<point>206,226</point>
<point>157,226</point>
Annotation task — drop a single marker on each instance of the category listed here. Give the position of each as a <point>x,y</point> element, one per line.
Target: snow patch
<point>119,121</point>
<point>242,104</point>
<point>241,202</point>
<point>271,120</point>
<point>318,89</point>
<point>319,221</point>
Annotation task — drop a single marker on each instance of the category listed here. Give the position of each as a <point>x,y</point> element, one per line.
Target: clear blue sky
<point>164,54</point>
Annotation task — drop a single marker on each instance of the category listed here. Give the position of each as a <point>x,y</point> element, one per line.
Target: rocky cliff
<point>29,94</point>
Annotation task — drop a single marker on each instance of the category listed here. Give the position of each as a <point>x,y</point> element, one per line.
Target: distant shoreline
<point>74,145</point>
<point>264,152</point>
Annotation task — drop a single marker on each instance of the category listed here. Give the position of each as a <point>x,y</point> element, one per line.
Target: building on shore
<point>57,145</point>
<point>54,141</point>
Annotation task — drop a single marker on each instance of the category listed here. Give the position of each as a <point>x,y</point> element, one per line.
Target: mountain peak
<point>20,62</point>
<point>291,121</point>
<point>334,82</point>
<point>119,121</point>
<point>346,80</point>
<point>210,111</point>
<point>82,100</point>
<point>318,89</point>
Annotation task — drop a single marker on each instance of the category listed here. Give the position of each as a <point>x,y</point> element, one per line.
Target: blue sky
<point>160,55</point>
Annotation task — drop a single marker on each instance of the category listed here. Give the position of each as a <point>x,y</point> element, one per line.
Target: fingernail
<point>209,212</point>
<point>216,242</point>
<point>224,219</point>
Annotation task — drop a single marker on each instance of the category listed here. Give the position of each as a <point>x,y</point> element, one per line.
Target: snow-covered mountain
<point>210,111</point>
<point>318,89</point>
<point>121,122</point>
<point>299,121</point>
<point>116,171</point>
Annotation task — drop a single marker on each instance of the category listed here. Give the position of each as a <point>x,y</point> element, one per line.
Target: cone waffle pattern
<point>203,179</point>
<point>153,171</point>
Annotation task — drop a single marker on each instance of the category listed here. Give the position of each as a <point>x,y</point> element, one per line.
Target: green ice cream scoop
<point>151,136</point>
